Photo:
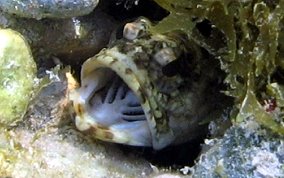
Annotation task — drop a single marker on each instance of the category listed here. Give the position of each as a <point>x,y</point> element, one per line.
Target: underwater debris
<point>17,76</point>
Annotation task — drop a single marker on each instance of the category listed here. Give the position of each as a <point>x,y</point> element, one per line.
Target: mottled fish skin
<point>48,8</point>
<point>169,76</point>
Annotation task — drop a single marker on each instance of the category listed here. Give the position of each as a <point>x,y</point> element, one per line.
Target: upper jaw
<point>123,59</point>
<point>106,124</point>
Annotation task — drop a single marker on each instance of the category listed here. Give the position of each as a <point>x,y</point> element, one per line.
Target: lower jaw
<point>114,133</point>
<point>136,133</point>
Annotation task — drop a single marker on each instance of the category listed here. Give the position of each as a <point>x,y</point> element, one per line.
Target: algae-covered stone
<point>17,74</point>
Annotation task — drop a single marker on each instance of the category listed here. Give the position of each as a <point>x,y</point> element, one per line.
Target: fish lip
<point>127,71</point>
<point>137,80</point>
<point>89,126</point>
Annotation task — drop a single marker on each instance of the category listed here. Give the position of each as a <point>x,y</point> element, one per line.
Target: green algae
<point>17,74</point>
<point>247,38</point>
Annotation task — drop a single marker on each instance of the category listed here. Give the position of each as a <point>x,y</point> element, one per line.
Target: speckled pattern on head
<point>163,72</point>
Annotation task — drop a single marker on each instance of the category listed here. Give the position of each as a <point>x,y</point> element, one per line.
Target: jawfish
<point>146,89</point>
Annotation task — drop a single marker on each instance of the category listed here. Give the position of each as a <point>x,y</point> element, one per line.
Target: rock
<point>39,9</point>
<point>73,39</point>
<point>17,76</point>
<point>246,150</point>
<point>47,143</point>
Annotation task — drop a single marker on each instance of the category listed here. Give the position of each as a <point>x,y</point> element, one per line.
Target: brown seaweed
<point>248,42</point>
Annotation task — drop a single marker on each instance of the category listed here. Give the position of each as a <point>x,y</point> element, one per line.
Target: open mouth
<point>118,101</point>
<point>114,102</point>
<point>112,108</point>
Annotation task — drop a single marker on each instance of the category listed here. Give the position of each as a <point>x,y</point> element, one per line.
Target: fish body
<point>146,90</point>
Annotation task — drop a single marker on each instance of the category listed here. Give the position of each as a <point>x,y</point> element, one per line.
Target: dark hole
<point>271,3</point>
<point>182,66</point>
<point>175,157</point>
<point>119,31</point>
<point>43,64</point>
<point>171,69</point>
<point>278,76</point>
<point>205,28</point>
<point>240,79</point>
<point>125,10</point>
<point>254,31</point>
<point>194,19</point>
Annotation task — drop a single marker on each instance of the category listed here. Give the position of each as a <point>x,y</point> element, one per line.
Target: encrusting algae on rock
<point>17,74</point>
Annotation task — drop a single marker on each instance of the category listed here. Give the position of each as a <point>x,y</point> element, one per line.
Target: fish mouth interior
<point>114,105</point>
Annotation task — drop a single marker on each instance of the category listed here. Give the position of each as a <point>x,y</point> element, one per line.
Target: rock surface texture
<point>39,9</point>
